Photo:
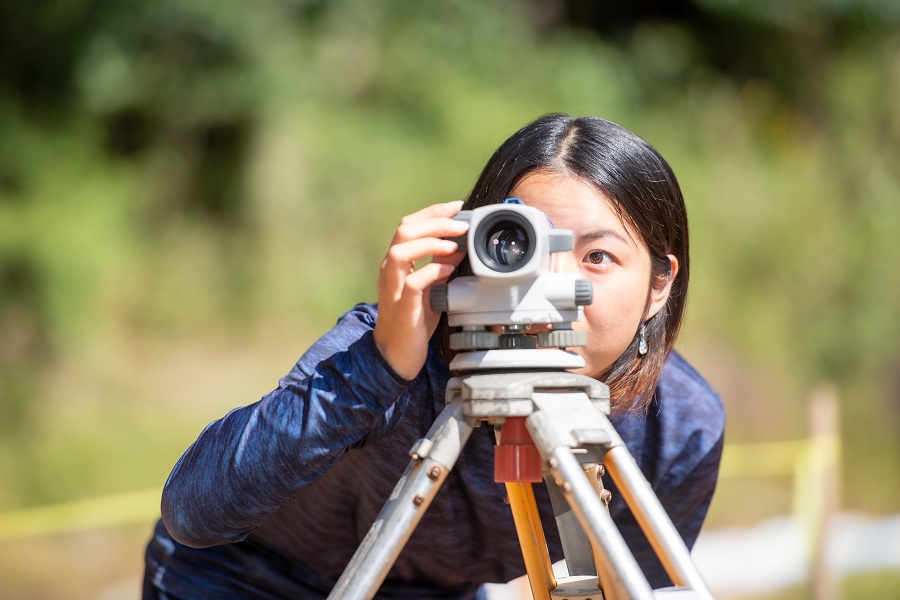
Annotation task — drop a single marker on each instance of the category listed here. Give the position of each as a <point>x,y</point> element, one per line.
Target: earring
<point>642,344</point>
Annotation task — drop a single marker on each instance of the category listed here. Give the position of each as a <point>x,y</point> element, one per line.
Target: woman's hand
<point>405,320</point>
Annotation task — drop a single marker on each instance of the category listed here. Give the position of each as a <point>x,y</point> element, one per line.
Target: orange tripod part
<point>515,457</point>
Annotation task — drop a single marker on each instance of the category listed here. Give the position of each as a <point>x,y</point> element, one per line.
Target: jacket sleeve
<point>244,466</point>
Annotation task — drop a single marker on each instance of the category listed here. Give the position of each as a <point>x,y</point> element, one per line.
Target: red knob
<point>515,457</point>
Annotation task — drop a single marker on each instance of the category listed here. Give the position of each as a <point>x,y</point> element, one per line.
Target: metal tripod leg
<point>654,522</point>
<point>432,459</point>
<point>566,423</point>
<point>576,546</point>
<point>586,570</point>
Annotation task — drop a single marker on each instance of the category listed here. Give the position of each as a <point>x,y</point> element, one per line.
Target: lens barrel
<point>505,241</point>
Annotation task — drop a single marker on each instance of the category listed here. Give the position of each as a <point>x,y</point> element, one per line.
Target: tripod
<point>566,416</point>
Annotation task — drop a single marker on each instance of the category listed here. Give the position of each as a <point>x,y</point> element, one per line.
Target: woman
<point>273,499</point>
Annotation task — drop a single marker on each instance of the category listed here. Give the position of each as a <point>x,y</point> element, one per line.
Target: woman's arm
<point>247,464</point>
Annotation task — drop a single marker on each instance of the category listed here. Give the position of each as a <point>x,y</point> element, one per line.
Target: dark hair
<point>645,194</point>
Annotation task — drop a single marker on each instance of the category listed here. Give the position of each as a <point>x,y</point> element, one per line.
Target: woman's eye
<point>598,257</point>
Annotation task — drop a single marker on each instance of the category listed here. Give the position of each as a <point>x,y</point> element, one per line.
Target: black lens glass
<point>506,243</point>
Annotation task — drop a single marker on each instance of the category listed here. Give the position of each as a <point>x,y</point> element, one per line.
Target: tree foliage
<point>174,167</point>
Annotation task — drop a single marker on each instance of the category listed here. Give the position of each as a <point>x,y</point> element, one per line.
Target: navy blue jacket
<point>273,499</point>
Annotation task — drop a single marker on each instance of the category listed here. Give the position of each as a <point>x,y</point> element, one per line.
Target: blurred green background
<point>192,191</point>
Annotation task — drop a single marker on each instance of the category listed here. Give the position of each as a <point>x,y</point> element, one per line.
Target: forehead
<point>572,203</point>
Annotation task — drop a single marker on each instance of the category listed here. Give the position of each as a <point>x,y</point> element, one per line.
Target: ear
<point>661,288</point>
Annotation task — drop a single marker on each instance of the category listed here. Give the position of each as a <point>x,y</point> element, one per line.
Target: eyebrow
<point>597,234</point>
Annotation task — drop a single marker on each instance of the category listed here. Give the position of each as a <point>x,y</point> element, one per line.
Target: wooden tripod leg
<point>531,539</point>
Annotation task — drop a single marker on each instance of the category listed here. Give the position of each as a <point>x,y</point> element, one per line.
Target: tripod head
<point>513,287</point>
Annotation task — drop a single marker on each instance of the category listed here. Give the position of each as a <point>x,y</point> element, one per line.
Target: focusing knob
<point>562,338</point>
<point>584,292</point>
<point>474,340</point>
<point>439,297</point>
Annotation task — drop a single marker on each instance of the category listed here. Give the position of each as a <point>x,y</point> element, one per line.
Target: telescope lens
<point>505,241</point>
<point>507,244</point>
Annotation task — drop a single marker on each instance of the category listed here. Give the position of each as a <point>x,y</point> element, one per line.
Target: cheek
<point>615,314</point>
<point>621,297</point>
<point>611,324</point>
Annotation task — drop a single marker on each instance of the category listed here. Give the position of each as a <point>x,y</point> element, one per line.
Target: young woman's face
<point>607,253</point>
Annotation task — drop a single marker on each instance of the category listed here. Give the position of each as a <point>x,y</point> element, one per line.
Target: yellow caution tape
<point>90,513</point>
<point>770,459</point>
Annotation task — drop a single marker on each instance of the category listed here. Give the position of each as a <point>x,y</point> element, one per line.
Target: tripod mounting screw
<point>419,500</point>
<point>434,473</point>
<point>421,449</point>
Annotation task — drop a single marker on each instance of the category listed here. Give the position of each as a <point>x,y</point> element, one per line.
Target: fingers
<point>420,236</point>
<point>401,258</point>
<point>428,275</point>
<point>405,320</point>
<point>434,226</point>
<point>415,250</point>
<point>442,227</point>
<point>444,209</point>
<point>450,259</point>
